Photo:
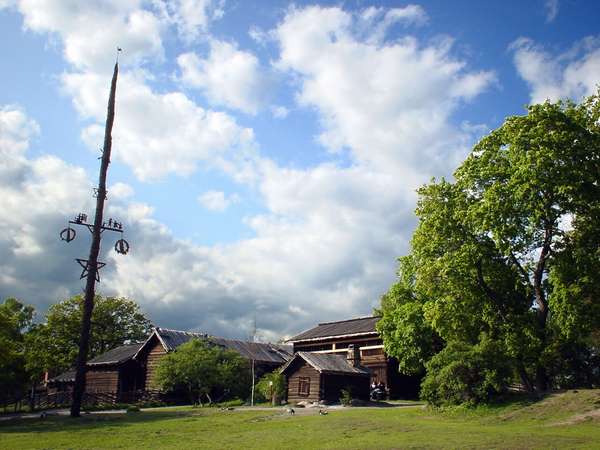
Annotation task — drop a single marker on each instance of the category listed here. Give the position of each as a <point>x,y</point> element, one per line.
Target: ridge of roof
<point>349,320</point>
<point>350,327</point>
<point>328,363</point>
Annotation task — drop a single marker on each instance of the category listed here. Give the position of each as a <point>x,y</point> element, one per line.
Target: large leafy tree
<point>15,320</point>
<point>200,368</point>
<point>509,251</point>
<point>54,344</point>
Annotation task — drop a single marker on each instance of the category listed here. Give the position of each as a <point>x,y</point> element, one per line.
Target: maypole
<point>91,266</point>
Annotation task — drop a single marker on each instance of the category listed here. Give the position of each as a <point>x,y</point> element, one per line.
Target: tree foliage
<point>200,369</point>
<point>509,251</point>
<point>15,320</point>
<point>54,344</point>
<point>272,387</point>
<point>465,374</point>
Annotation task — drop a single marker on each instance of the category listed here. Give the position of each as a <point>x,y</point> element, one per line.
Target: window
<point>304,386</point>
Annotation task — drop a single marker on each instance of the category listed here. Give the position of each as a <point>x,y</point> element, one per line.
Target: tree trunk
<point>541,375</point>
<point>525,379</point>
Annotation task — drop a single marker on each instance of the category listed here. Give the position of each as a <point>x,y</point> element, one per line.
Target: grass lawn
<point>567,420</point>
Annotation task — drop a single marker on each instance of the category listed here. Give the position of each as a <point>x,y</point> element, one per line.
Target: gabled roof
<point>328,363</point>
<point>351,327</point>
<point>257,351</point>
<point>117,355</point>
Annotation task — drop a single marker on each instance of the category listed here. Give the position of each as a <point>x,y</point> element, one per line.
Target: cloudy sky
<point>266,153</point>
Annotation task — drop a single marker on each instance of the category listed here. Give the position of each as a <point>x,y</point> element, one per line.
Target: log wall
<point>154,356</point>
<point>106,380</point>
<point>303,370</point>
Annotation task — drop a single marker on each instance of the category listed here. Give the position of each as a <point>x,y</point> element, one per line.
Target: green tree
<point>272,387</point>
<point>15,320</point>
<point>54,344</point>
<point>509,251</point>
<point>200,368</point>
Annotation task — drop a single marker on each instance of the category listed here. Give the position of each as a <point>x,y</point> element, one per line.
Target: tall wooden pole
<point>92,263</point>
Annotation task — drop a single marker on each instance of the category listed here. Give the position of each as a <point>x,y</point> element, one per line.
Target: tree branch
<point>488,291</point>
<point>538,274</point>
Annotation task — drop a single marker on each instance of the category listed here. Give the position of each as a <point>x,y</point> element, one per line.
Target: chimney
<point>353,355</point>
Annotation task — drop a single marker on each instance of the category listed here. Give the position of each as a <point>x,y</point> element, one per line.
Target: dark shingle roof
<point>257,351</point>
<point>329,363</point>
<point>362,325</point>
<point>65,377</point>
<point>117,355</point>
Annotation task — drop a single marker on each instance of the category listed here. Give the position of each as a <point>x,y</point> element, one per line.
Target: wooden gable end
<point>303,382</point>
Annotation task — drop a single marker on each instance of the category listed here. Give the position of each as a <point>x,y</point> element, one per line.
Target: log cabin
<point>115,373</point>
<point>335,338</point>
<point>316,377</point>
<point>265,356</point>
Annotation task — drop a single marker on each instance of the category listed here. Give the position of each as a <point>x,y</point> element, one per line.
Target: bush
<point>346,397</point>
<point>272,387</point>
<point>464,374</point>
<point>132,409</point>
<point>202,369</point>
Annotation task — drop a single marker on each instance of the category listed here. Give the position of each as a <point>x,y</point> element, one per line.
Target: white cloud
<point>388,102</point>
<point>120,190</point>
<point>573,74</point>
<point>258,35</point>
<point>107,24</point>
<point>191,17</point>
<point>279,112</point>
<point>551,7</point>
<point>160,134</point>
<point>37,197</point>
<point>227,76</point>
<point>16,129</point>
<point>217,200</point>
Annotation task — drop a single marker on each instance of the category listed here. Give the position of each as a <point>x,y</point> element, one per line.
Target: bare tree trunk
<point>541,375</point>
<point>88,304</point>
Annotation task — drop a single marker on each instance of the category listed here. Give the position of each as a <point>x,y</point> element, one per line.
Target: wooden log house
<point>335,338</point>
<point>114,373</point>
<point>316,377</point>
<point>265,356</point>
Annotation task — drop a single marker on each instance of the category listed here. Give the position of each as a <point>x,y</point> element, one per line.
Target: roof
<point>329,363</point>
<point>257,351</point>
<point>65,377</point>
<point>117,355</point>
<point>351,327</point>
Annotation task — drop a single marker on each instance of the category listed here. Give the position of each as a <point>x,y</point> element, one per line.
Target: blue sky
<point>266,154</point>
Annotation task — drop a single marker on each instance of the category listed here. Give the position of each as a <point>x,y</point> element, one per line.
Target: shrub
<point>465,374</point>
<point>132,409</point>
<point>272,387</point>
<point>346,397</point>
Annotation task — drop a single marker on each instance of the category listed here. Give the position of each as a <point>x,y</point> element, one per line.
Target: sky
<point>266,154</point>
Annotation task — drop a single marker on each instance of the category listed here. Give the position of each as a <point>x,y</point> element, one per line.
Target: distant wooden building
<point>113,373</point>
<point>315,377</point>
<point>335,338</point>
<point>266,357</point>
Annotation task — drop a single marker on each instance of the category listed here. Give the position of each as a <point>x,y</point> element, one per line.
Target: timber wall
<point>154,356</point>
<point>106,380</point>
<point>302,370</point>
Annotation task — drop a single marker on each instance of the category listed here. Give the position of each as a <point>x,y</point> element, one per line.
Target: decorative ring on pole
<point>122,247</point>
<point>68,234</point>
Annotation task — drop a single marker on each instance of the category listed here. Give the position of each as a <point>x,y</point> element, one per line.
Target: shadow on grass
<point>93,421</point>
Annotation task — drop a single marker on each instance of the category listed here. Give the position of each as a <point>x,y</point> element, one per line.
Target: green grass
<point>563,420</point>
